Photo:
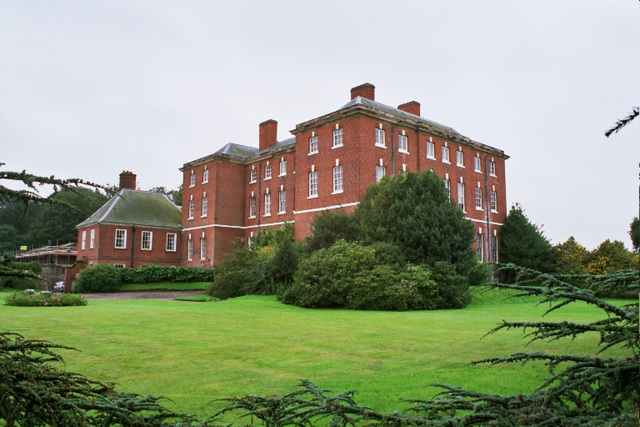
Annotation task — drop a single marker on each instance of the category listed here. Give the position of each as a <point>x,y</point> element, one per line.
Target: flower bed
<point>31,298</point>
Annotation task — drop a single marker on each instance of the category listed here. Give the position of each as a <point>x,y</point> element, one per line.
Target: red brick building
<point>134,228</point>
<point>327,165</point>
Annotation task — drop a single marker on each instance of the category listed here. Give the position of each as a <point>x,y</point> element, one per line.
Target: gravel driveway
<point>157,295</point>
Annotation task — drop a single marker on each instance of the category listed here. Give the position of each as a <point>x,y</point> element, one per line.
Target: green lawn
<point>194,353</point>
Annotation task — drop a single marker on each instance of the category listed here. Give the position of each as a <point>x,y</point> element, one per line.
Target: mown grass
<point>194,353</point>
<point>164,286</point>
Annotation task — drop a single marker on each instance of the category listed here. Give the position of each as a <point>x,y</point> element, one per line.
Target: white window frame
<point>381,171</point>
<point>313,145</point>
<point>431,150</point>
<point>492,168</point>
<point>190,249</point>
<point>494,201</point>
<point>267,204</point>
<point>192,208</point>
<point>479,199</point>
<point>461,198</point>
<point>338,180</point>
<point>494,248</point>
<point>253,177</point>
<point>282,201</point>
<point>445,154</point>
<point>205,207</point>
<point>477,166</point>
<point>192,179</point>
<point>205,176</point>
<point>172,238</point>
<point>337,138</point>
<point>283,168</point>
<point>313,184</point>
<point>460,158</point>
<point>121,236</point>
<point>480,246</point>
<point>267,172</point>
<point>203,248</point>
<point>252,207</point>
<point>403,144</point>
<point>146,241</point>
<point>92,239</point>
<point>84,240</point>
<point>380,138</point>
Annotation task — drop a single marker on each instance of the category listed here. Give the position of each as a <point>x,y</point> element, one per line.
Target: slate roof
<point>139,208</point>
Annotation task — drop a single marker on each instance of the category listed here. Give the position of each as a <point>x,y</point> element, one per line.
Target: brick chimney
<point>411,107</point>
<point>127,180</point>
<point>268,134</point>
<point>366,90</point>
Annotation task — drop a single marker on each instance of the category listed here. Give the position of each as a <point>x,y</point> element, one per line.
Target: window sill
<point>121,249</point>
<point>205,182</point>
<point>493,175</point>
<point>337,146</point>
<point>403,151</point>
<point>282,213</point>
<point>315,196</point>
<point>169,250</point>
<point>460,166</point>
<point>381,146</point>
<point>266,215</point>
<point>267,179</point>
<point>431,158</point>
<point>146,250</point>
<point>479,209</point>
<point>477,171</point>
<point>252,217</point>
<point>312,153</point>
<point>446,162</point>
<point>282,174</point>
<point>492,211</point>
<point>190,218</point>
<point>203,216</point>
<point>338,192</point>
<point>252,182</point>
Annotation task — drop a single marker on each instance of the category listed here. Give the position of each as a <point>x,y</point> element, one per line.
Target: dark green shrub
<point>325,277</point>
<point>166,273</point>
<point>453,289</point>
<point>329,227</point>
<point>98,278</point>
<point>44,299</point>
<point>384,288</point>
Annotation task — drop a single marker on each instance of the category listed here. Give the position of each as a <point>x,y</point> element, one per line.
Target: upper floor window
<point>380,139</point>
<point>252,207</point>
<point>402,144</point>
<point>192,207</point>
<point>205,176</point>
<point>93,238</point>
<point>313,145</point>
<point>431,150</point>
<point>267,204</point>
<point>479,198</point>
<point>494,248</point>
<point>192,179</point>
<point>337,179</point>
<point>380,172</point>
<point>171,242</point>
<point>313,184</point>
<point>205,206</point>
<point>445,154</point>
<point>283,167</point>
<point>267,172</point>
<point>121,239</point>
<point>147,239</point>
<point>337,138</point>
<point>492,168</point>
<point>480,246</point>
<point>460,158</point>
<point>84,240</point>
<point>461,204</point>
<point>476,164</point>
<point>254,176</point>
<point>282,201</point>
<point>494,201</point>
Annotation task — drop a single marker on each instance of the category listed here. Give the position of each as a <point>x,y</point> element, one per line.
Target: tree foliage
<point>329,227</point>
<point>634,232</point>
<point>570,257</point>
<point>611,256</point>
<point>413,212</point>
<point>522,243</point>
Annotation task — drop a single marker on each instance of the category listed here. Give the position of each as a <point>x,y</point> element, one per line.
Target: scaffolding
<point>54,260</point>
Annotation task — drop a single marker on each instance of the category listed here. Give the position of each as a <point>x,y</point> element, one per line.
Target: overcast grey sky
<point>91,88</point>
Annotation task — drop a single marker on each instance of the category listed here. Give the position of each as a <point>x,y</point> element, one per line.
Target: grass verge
<point>195,353</point>
<point>164,286</point>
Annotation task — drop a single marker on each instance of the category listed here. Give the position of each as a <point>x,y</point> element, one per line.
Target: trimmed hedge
<point>166,273</point>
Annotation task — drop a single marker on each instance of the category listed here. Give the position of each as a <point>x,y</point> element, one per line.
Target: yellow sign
<point>23,248</point>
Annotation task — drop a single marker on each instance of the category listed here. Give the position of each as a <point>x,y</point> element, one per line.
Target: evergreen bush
<point>44,299</point>
<point>98,278</point>
<point>16,282</point>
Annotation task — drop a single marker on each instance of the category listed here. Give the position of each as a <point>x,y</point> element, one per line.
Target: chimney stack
<point>366,90</point>
<point>411,107</point>
<point>268,134</point>
<point>127,180</point>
